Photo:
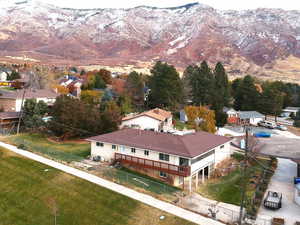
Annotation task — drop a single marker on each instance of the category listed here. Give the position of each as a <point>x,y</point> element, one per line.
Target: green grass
<point>67,151</point>
<point>8,88</point>
<point>29,194</point>
<point>228,188</point>
<point>179,125</point>
<point>134,179</point>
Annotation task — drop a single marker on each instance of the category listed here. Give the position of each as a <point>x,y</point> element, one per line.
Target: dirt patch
<point>294,130</point>
<point>62,178</point>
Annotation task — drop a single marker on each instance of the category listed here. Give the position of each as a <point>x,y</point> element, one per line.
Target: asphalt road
<point>280,146</point>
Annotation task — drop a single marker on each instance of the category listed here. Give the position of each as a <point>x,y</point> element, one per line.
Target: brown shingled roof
<point>9,115</point>
<point>28,94</point>
<point>158,114</point>
<point>190,145</point>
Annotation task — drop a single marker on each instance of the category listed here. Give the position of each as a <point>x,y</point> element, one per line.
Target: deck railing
<point>155,165</point>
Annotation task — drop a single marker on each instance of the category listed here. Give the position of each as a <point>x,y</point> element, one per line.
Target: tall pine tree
<point>166,87</point>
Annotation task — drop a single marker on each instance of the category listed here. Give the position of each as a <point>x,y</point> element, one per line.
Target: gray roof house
<point>250,117</point>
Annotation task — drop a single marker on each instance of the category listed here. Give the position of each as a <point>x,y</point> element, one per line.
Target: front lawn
<point>31,192</point>
<point>66,151</point>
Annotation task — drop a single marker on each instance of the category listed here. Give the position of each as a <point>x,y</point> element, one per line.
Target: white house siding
<point>202,163</point>
<point>107,153</point>
<point>3,76</point>
<point>255,121</point>
<point>222,153</point>
<point>18,105</point>
<point>219,155</point>
<point>19,102</point>
<point>144,122</point>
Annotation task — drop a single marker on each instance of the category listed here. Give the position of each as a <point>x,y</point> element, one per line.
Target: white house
<point>289,110</point>
<point>250,117</point>
<point>3,76</point>
<point>11,101</point>
<point>179,160</point>
<point>155,120</point>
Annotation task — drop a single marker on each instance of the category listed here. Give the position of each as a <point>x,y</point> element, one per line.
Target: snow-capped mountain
<point>251,41</point>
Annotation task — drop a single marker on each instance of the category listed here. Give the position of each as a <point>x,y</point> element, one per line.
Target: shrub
<point>297,123</point>
<point>238,156</point>
<point>22,146</point>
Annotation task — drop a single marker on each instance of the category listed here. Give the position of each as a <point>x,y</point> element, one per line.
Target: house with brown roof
<point>154,119</point>
<point>180,160</point>
<point>8,119</point>
<point>11,101</point>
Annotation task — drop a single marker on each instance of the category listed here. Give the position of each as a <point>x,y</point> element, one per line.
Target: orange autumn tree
<point>201,118</point>
<point>61,89</point>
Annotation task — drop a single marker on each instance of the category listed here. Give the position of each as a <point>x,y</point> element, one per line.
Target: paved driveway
<point>282,181</point>
<point>281,146</point>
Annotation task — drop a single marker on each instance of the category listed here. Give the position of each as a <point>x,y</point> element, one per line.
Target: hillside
<point>262,42</point>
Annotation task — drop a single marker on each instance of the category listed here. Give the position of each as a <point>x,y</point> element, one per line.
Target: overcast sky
<point>219,4</point>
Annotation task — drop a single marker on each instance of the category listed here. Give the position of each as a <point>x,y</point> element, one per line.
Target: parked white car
<point>267,124</point>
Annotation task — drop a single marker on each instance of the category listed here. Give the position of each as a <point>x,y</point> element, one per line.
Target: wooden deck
<point>155,165</point>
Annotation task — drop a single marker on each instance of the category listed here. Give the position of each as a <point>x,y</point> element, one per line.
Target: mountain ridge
<point>247,41</point>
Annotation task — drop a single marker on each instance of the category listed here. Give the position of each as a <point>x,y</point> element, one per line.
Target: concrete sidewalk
<point>146,199</point>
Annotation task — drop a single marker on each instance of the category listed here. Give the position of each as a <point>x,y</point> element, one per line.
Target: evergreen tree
<point>135,89</point>
<point>99,82</point>
<point>199,87</point>
<point>14,75</point>
<point>221,88</point>
<point>166,87</point>
<point>33,114</point>
<point>271,102</point>
<point>247,96</point>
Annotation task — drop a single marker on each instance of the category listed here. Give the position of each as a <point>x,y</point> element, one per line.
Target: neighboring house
<point>232,115</point>
<point>3,76</point>
<point>178,160</point>
<point>11,101</point>
<point>8,119</point>
<point>155,120</point>
<point>290,110</point>
<point>250,117</point>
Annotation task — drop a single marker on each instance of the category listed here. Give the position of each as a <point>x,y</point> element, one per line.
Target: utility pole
<point>21,111</point>
<point>244,178</point>
<point>22,102</point>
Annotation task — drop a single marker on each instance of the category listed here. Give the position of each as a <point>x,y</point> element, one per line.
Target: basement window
<point>162,174</point>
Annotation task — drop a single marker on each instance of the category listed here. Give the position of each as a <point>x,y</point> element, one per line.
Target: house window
<point>164,157</point>
<point>132,150</point>
<point>222,146</point>
<point>162,174</point>
<point>114,147</point>
<point>146,152</point>
<point>99,144</point>
<point>122,148</point>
